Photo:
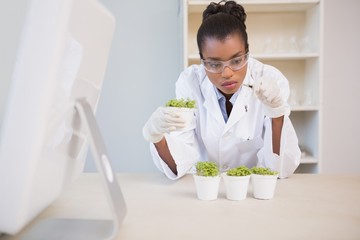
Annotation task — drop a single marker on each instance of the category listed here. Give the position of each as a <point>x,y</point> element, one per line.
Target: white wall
<point>145,61</point>
<point>341,87</point>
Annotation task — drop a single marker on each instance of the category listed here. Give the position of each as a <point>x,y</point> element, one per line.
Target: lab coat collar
<point>241,105</point>
<point>233,98</point>
<point>211,102</point>
<point>221,99</point>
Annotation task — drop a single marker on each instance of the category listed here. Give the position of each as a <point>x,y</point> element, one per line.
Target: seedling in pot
<point>264,182</point>
<point>185,109</point>
<point>237,182</point>
<point>207,180</point>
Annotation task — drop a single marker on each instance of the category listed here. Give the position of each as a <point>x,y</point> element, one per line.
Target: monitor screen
<point>61,59</point>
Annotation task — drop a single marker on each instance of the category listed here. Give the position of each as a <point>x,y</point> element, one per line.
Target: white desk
<point>304,207</point>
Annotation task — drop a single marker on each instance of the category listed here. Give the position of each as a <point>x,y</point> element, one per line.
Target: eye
<point>214,64</point>
<point>237,61</point>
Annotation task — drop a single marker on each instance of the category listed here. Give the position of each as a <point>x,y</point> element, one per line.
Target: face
<point>228,81</point>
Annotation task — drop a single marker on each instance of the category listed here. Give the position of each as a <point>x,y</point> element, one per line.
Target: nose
<point>227,72</point>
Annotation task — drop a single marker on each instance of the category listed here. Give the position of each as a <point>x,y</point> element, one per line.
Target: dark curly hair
<point>221,20</point>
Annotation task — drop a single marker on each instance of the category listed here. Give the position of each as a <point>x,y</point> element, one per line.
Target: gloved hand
<point>269,92</point>
<point>163,120</point>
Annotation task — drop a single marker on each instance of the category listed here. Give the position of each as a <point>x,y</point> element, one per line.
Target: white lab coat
<point>245,139</point>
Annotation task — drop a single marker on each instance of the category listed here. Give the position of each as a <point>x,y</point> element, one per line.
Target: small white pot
<point>263,186</point>
<point>207,188</point>
<point>187,114</point>
<point>236,186</point>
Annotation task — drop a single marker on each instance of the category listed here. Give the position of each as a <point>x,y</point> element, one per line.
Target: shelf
<point>304,108</point>
<point>262,6</point>
<point>308,160</point>
<point>285,34</point>
<point>285,56</point>
<point>271,56</point>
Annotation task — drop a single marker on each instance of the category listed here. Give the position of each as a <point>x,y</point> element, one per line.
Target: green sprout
<point>181,103</point>
<point>239,171</point>
<point>207,169</point>
<point>262,171</point>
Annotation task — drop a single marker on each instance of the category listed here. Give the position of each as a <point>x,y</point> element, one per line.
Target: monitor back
<point>62,56</point>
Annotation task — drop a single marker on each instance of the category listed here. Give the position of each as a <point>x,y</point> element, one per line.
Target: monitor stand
<point>87,229</point>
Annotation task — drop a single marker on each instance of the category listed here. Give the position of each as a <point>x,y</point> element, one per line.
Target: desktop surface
<point>305,206</point>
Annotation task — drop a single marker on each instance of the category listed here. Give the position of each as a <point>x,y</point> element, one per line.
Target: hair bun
<point>229,7</point>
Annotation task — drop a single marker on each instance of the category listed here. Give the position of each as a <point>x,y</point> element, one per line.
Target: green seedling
<point>207,169</point>
<point>262,171</point>
<point>239,171</point>
<point>181,103</point>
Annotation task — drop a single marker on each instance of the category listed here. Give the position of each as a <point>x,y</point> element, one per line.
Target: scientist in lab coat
<point>242,114</point>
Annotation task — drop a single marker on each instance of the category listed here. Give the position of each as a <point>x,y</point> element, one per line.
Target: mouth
<point>229,84</point>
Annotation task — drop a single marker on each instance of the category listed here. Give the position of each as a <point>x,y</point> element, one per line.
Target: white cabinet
<point>287,35</point>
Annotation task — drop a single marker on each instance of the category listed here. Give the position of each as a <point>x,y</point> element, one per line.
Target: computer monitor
<point>49,117</point>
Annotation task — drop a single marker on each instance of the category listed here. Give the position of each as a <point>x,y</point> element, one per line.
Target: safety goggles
<point>234,64</point>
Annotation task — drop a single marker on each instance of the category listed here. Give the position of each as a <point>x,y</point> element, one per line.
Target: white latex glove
<point>268,91</point>
<point>163,120</point>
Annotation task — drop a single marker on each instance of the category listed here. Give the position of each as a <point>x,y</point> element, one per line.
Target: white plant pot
<point>207,188</point>
<point>187,114</point>
<point>263,186</point>
<point>236,186</point>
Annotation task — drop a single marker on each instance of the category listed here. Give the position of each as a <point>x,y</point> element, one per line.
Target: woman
<point>242,115</point>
